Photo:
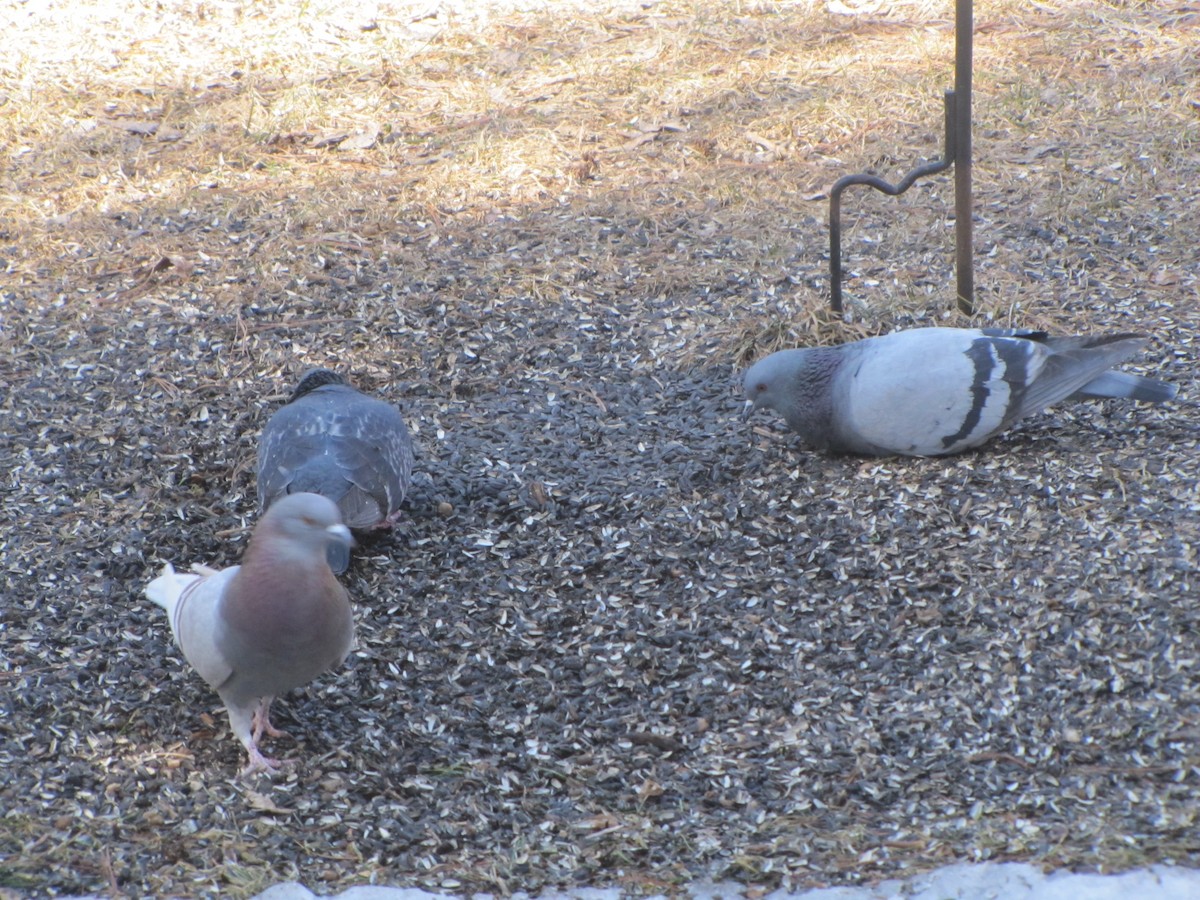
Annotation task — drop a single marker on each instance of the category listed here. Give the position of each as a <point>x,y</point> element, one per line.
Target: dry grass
<point>206,135</point>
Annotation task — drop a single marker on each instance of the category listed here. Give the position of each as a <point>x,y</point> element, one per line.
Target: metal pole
<point>835,246</point>
<point>835,196</point>
<point>957,154</point>
<point>964,245</point>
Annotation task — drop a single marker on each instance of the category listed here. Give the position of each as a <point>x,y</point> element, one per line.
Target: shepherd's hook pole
<point>963,233</point>
<point>957,153</point>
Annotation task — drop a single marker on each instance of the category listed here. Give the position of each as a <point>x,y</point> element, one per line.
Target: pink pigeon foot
<point>262,722</point>
<point>260,763</point>
<point>389,521</point>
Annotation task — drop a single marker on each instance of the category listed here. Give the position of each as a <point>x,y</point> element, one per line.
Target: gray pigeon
<point>273,623</point>
<point>936,391</point>
<point>333,440</point>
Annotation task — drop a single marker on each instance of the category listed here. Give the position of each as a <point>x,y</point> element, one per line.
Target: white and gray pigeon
<point>271,624</point>
<point>332,439</point>
<point>936,391</point>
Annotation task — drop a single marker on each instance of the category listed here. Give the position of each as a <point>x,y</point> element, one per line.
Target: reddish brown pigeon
<point>273,623</point>
<point>333,440</point>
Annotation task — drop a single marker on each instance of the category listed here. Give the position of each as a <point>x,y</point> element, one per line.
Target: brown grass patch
<point>250,146</point>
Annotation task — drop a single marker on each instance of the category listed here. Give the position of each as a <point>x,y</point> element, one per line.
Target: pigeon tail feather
<point>1127,386</point>
<point>167,588</point>
<point>320,475</point>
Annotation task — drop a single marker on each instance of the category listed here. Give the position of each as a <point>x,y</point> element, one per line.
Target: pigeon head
<point>315,378</point>
<point>771,381</point>
<point>309,523</point>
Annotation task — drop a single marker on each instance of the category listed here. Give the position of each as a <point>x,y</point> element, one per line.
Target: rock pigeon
<point>333,440</point>
<point>936,391</point>
<point>273,623</point>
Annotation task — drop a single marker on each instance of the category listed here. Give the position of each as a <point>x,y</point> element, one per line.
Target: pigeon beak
<point>340,534</point>
<point>337,551</point>
<point>747,409</point>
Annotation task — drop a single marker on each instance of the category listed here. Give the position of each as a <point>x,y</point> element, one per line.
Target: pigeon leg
<point>262,722</point>
<point>390,520</point>
<point>244,722</point>
<point>260,763</point>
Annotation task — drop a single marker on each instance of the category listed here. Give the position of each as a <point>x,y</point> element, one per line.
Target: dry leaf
<point>1042,152</point>
<point>644,138</point>
<point>537,492</point>
<point>760,141</point>
<point>263,803</point>
<point>185,266</point>
<point>649,789</point>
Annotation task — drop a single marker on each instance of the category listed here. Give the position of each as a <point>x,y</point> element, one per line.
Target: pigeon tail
<point>320,475</point>
<point>166,589</point>
<point>1127,386</point>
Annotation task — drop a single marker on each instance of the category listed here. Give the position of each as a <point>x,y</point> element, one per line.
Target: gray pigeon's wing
<point>1020,372</point>
<point>1017,373</point>
<point>338,442</point>
<point>931,391</point>
<point>1070,364</point>
<point>374,453</point>
<point>298,435</point>
<point>1032,334</point>
<point>295,450</point>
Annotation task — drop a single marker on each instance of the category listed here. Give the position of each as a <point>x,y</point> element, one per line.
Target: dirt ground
<point>624,635</point>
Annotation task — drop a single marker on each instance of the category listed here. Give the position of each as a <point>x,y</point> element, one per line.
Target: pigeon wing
<point>929,392</point>
<point>301,435</point>
<point>375,456</point>
<point>1072,364</point>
